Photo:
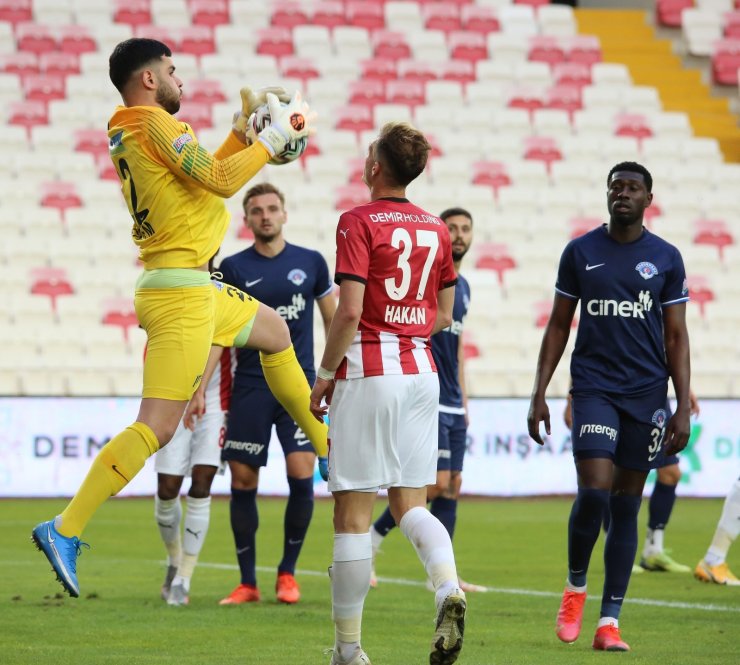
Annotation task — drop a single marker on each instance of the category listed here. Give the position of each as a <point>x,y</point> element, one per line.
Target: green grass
<point>506,544</point>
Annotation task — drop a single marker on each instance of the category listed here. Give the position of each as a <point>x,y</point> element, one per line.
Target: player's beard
<point>458,254</point>
<point>168,99</point>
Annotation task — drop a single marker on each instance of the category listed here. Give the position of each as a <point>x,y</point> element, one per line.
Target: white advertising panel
<point>47,445</point>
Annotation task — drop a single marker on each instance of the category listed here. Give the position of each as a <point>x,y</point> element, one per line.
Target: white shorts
<point>383,432</point>
<point>188,448</point>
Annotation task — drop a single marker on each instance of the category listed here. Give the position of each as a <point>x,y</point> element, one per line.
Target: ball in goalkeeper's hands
<point>293,150</point>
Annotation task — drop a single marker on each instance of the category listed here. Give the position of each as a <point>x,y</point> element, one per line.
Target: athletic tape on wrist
<point>325,374</point>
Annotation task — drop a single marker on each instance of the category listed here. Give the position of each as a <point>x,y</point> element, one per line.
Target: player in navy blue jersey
<point>447,349</point>
<point>632,337</point>
<point>291,279</point>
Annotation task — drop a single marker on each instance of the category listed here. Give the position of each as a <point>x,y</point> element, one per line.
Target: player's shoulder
<point>301,251</point>
<point>238,257</point>
<point>661,243</point>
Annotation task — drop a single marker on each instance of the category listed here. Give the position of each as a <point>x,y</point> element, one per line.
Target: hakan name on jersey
<point>624,308</point>
<point>405,315</point>
<point>293,311</point>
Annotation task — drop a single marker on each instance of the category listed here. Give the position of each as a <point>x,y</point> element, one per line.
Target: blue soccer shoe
<point>62,553</point>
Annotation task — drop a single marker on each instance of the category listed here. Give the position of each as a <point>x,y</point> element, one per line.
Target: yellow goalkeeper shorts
<point>183,313</point>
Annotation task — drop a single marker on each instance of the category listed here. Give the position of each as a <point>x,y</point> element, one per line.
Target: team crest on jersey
<point>646,269</point>
<point>179,143</point>
<point>659,417</point>
<point>115,144</point>
<point>297,276</point>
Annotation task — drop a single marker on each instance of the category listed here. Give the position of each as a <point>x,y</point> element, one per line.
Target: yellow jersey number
<point>142,229</point>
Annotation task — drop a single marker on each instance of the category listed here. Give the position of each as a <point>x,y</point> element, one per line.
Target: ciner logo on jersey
<point>293,311</point>
<point>627,309</point>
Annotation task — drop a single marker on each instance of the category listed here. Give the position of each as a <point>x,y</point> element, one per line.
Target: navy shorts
<point>452,439</point>
<point>252,413</point>
<point>668,460</point>
<point>628,429</point>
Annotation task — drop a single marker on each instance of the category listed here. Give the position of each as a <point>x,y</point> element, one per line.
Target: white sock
<point>606,621</point>
<point>376,539</point>
<point>197,518</point>
<point>350,582</point>
<point>653,542</point>
<point>727,528</point>
<point>572,587</point>
<point>167,513</point>
<point>433,546</point>
<point>180,580</point>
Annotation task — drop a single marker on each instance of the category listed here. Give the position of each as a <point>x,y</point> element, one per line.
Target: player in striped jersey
<point>195,451</point>
<point>396,278</point>
<point>174,190</point>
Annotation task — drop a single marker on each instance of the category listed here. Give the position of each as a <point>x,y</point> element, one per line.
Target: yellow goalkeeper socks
<point>114,466</point>
<point>288,383</point>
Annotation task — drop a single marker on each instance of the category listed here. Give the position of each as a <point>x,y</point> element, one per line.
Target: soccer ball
<point>293,150</point>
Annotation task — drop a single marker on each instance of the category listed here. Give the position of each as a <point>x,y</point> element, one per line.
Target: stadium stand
<point>551,99</point>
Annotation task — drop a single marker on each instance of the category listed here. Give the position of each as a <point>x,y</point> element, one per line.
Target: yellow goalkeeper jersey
<point>173,187</point>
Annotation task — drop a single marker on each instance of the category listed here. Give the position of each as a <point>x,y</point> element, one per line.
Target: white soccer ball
<point>293,150</point>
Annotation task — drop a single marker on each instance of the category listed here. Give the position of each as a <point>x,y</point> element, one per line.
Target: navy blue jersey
<point>445,347</point>
<point>290,283</point>
<point>623,289</point>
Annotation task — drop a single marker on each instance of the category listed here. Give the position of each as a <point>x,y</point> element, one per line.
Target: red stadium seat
<point>43,88</point>
<point>713,233</point>
<point>35,38</point>
<point>444,16</point>
<point>77,39</point>
<point>668,12</point>
<point>197,40</point>
<point>209,12</point>
<point>244,233</point>
<point>379,68</point>
<point>564,97</point>
<point>700,292</point>
<point>349,196</point>
<point>493,174</point>
<point>365,14</point>
<point>470,348</point>
<point>120,312</point>
<point>51,282</point>
<point>132,12</point>
<point>277,41</point>
<point>16,11</point>
<point>367,92</point>
<point>159,33</point>
<point>542,309</point>
<point>731,25</point>
<point>196,114</point>
<point>532,3</point>
<point>572,73</point>
<point>355,170</point>
<point>390,45</point>
<point>299,68</point>
<point>462,71</point>
<point>496,257</point>
<point>726,62</point>
<point>21,63</point>
<point>581,225</point>
<point>60,195</point>
<point>205,91</point>
<point>329,14</point>
<point>545,48</point>
<point>94,141</point>
<point>58,63</point>
<point>583,48</point>
<point>288,15</point>
<point>466,45</point>
<point>106,168</point>
<point>543,149</point>
<point>354,117</point>
<point>417,70</point>
<point>479,18</point>
<point>27,114</point>
<point>411,93</point>
<point>526,97</point>
<point>632,124</point>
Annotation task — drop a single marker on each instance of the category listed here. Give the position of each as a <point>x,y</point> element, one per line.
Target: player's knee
<point>168,487</point>
<point>669,475</point>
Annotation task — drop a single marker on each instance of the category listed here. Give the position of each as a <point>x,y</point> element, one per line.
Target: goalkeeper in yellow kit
<point>174,190</point>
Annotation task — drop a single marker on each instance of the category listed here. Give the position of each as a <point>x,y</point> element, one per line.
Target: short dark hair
<point>452,212</point>
<point>403,151</point>
<point>260,189</point>
<point>635,168</point>
<point>131,55</point>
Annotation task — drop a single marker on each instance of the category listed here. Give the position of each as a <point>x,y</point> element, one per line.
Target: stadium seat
<point>443,16</point>
<point>572,73</point>
<point>417,70</point>
<point>714,233</point>
<point>205,91</point>
<point>357,118</point>
<point>76,39</point>
<point>363,14</point>
<point>21,63</point>
<point>668,12</point>
<point>556,19</point>
<point>132,12</point>
<point>383,69</point>
<point>313,41</point>
<point>94,141</point>
<point>329,14</point>
<point>462,71</point>
<point>60,195</point>
<point>491,173</point>
<point>120,312</point>
<point>564,98</point>
<point>196,114</point>
<point>366,92</point>
<point>731,25</point>
<point>16,11</point>
<point>479,18</point>
<point>518,19</point>
<point>57,63</point>
<point>547,49</point>
<point>351,42</point>
<point>286,14</point>
<point>275,41</point>
<point>582,224</point>
<point>300,68</point>
<point>389,45</point>
<point>43,88</point>
<point>525,97</point>
<point>209,12</point>
<point>160,33</point>
<point>197,40</point>
<point>726,62</point>
<point>467,45</point>
<point>410,93</point>
<point>349,196</point>
<point>35,38</point>
<point>542,148</point>
<point>51,282</point>
<point>585,49</point>
<point>495,257</point>
<point>700,293</point>
<point>633,124</point>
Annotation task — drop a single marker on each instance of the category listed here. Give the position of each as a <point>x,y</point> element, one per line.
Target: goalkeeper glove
<point>324,467</point>
<point>287,123</point>
<point>251,101</point>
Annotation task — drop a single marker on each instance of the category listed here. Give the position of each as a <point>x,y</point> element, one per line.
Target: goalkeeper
<point>174,190</point>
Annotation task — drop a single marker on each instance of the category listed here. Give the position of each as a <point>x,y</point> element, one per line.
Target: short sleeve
<point>447,275</point>
<point>226,269</point>
<point>353,249</point>
<point>567,281</point>
<point>323,285</point>
<point>675,289</point>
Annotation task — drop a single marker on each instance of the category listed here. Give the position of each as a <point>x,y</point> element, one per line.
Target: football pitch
<point>515,547</point>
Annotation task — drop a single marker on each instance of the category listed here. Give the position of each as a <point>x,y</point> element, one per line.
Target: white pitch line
<point>674,604</point>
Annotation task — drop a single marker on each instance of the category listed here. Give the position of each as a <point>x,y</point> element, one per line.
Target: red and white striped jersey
<point>403,256</point>
<point>218,390</point>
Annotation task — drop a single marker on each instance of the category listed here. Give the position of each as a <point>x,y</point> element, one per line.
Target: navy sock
<point>661,505</point>
<point>607,519</point>
<point>445,510</point>
<point>384,523</point>
<point>584,524</point>
<point>619,552</point>
<point>244,524</point>
<point>298,512</point>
